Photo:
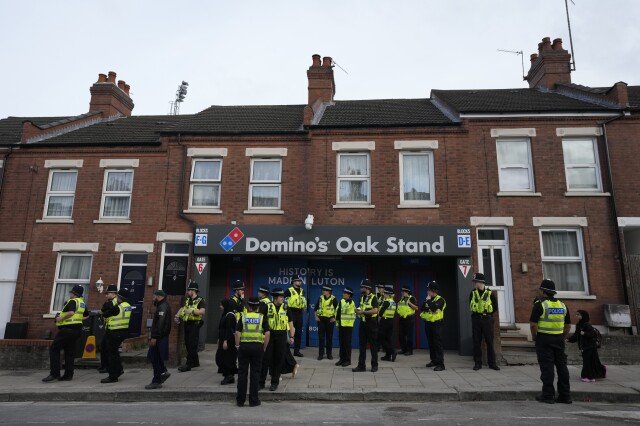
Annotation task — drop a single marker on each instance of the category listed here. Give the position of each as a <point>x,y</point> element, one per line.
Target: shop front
<point>338,256</point>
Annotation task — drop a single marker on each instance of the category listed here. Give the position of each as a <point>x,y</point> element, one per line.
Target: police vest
<point>438,315</point>
<point>265,300</point>
<point>380,299</point>
<point>192,304</point>
<point>114,301</point>
<point>252,328</point>
<point>404,310</point>
<point>365,305</point>
<point>390,312</point>
<point>347,313</point>
<point>277,317</point>
<point>295,300</point>
<point>326,308</point>
<point>481,303</point>
<point>552,319</point>
<point>240,307</point>
<point>121,321</point>
<point>76,318</point>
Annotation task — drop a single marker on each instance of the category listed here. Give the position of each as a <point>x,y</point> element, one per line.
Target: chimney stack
<point>322,86</point>
<point>550,66</point>
<point>110,98</point>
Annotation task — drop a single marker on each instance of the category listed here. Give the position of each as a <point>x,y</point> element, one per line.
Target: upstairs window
<point>61,191</point>
<point>205,183</point>
<point>354,178</point>
<point>515,168</point>
<point>416,178</point>
<point>581,165</point>
<point>265,183</point>
<point>116,194</point>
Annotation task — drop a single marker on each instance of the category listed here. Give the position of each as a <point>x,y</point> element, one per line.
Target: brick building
<point>517,183</point>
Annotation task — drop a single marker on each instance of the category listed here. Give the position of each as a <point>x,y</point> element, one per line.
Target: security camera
<point>308,222</point>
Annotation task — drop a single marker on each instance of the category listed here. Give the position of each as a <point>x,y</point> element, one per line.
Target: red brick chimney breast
<point>550,66</point>
<point>110,98</point>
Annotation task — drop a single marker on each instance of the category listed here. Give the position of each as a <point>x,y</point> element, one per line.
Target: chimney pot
<point>557,44</point>
<point>316,60</point>
<point>121,84</point>
<point>102,78</point>
<point>112,77</point>
<point>326,62</point>
<point>550,66</point>
<point>533,57</point>
<point>126,89</point>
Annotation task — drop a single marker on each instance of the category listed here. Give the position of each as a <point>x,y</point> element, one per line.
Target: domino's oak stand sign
<point>340,240</point>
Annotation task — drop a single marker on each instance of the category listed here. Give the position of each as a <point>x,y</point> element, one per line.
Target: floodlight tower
<point>181,93</point>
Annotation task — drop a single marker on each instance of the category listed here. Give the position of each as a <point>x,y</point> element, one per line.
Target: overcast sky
<point>257,52</point>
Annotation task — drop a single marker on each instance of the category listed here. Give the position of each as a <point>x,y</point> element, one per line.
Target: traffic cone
<point>89,348</point>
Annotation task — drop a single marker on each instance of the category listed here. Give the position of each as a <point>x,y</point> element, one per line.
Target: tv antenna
<point>516,52</point>
<point>573,56</point>
<point>181,93</point>
<point>338,65</point>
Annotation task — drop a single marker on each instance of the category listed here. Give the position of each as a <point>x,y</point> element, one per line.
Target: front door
<point>9,263</point>
<point>493,256</point>
<point>133,275</point>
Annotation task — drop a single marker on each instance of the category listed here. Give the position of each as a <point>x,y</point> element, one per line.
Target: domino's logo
<point>232,238</point>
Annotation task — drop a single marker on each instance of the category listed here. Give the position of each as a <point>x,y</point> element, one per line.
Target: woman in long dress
<point>585,336</point>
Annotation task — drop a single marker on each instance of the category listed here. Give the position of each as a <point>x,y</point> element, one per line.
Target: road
<point>278,413</point>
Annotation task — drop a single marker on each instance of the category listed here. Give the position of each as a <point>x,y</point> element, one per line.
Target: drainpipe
<point>614,212</point>
<point>4,167</point>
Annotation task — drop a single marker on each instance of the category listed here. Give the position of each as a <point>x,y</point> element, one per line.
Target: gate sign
<point>200,266</point>
<point>336,240</point>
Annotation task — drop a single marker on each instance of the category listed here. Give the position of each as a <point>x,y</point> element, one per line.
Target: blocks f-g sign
<point>201,240</point>
<point>464,238</point>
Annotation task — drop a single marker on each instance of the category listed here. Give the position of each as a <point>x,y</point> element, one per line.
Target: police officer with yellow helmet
<point>117,330</point>
<point>550,323</point>
<point>407,308</point>
<point>345,319</point>
<point>238,298</point>
<point>368,329</point>
<point>483,305</point>
<point>433,315</point>
<point>191,314</point>
<point>296,305</point>
<point>326,307</point>
<point>387,316</point>
<point>69,322</point>
<point>112,300</point>
<point>280,338</point>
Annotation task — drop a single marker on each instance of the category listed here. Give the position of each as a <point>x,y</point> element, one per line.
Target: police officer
<point>345,319</point>
<point>387,316</point>
<point>296,305</point>
<point>325,318</point>
<point>117,330</point>
<point>159,340</point>
<point>483,305</point>
<point>433,315</point>
<point>191,314</point>
<point>69,322</point>
<point>280,338</point>
<point>263,295</point>
<point>368,329</point>
<point>380,298</point>
<point>252,337</point>
<point>238,298</point>
<point>112,300</point>
<point>550,323</point>
<point>407,307</point>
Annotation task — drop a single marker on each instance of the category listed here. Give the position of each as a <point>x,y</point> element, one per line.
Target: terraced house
<point>516,183</point>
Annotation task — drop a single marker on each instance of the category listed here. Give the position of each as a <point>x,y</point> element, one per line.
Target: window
<point>581,165</point>
<point>61,191</point>
<point>563,259</point>
<point>205,184</point>
<point>514,165</point>
<point>416,178</point>
<point>265,183</point>
<point>354,178</point>
<point>72,269</point>
<point>116,194</point>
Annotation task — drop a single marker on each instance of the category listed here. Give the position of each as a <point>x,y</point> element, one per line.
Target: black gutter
<point>386,126</point>
<point>233,133</point>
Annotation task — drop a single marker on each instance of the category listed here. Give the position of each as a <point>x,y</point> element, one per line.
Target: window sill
<point>587,194</point>
<point>263,212</point>
<point>575,296</point>
<point>202,211</point>
<point>417,206</point>
<point>519,194</point>
<point>113,221</point>
<point>52,220</point>
<point>354,206</point>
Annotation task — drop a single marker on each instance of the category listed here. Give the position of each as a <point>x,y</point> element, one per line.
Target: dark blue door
<point>133,276</point>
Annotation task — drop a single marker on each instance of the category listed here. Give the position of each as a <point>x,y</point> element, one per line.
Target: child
<point>585,335</point>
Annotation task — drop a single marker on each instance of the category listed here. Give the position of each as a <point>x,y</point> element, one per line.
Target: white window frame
<point>528,166</point>
<point>59,193</point>
<point>130,264</point>
<point>353,177</point>
<point>116,193</point>
<point>265,183</point>
<point>594,144</point>
<point>559,259</point>
<point>162,256</point>
<point>205,182</point>
<point>432,184</point>
<point>80,282</point>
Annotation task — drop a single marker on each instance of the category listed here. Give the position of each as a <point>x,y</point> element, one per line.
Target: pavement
<point>406,380</point>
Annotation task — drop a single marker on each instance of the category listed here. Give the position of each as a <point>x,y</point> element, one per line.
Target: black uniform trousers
<point>114,339</point>
<point>385,336</point>
<point>345,335</point>
<point>482,328</point>
<point>295,316</point>
<point>191,340</point>
<point>155,356</point>
<point>405,333</point>
<point>434,339</point>
<point>65,340</point>
<point>104,358</point>
<point>368,334</point>
<point>550,352</point>
<point>325,335</point>
<point>273,358</point>
<point>249,360</point>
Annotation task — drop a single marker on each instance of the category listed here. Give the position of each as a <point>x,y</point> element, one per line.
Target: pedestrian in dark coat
<point>585,336</point>
<point>226,341</point>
